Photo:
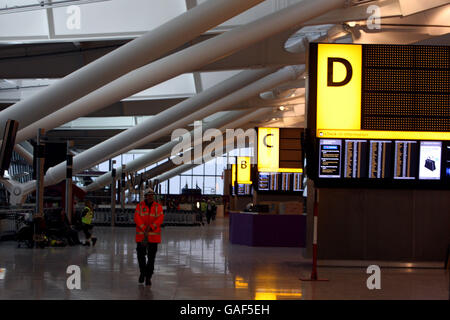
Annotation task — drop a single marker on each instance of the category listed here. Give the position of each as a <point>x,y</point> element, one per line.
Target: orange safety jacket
<point>148,217</point>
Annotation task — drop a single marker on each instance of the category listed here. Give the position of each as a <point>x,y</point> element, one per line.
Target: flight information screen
<point>280,181</point>
<point>379,115</point>
<point>330,158</point>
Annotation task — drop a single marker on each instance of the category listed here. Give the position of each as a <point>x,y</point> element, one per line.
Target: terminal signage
<point>275,146</point>
<point>379,114</point>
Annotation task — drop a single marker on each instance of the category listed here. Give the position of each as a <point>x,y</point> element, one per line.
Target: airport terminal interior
<point>268,149</point>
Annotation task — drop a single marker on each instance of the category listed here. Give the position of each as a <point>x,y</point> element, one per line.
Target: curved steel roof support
<point>183,61</point>
<point>134,54</point>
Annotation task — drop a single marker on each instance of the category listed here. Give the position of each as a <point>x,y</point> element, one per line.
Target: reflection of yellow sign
<point>339,70</point>
<point>268,149</point>
<point>243,170</point>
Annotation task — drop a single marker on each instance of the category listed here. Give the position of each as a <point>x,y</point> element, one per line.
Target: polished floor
<point>198,263</point>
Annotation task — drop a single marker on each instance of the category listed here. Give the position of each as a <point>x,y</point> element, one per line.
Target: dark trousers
<point>146,257</point>
<point>209,215</point>
<point>87,230</point>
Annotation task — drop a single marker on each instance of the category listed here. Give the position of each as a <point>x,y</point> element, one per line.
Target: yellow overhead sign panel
<point>243,170</point>
<point>339,86</point>
<point>233,174</point>
<point>268,149</point>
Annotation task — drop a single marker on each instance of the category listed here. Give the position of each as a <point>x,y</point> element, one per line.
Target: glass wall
<point>208,176</point>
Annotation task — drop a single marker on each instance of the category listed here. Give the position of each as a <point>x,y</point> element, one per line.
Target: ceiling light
<point>282,108</point>
<point>351,24</point>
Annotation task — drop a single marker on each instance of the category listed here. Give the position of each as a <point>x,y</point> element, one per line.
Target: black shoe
<point>141,278</point>
<point>148,282</point>
<point>94,240</point>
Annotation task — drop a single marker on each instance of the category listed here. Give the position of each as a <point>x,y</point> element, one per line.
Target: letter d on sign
<point>348,75</point>
<point>74,281</point>
<point>374,281</point>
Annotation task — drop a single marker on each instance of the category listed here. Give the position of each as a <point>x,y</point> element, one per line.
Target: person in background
<point>86,220</point>
<point>148,217</point>
<point>68,231</point>
<point>203,208</point>
<point>209,210</point>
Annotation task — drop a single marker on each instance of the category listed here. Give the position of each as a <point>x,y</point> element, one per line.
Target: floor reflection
<point>195,263</point>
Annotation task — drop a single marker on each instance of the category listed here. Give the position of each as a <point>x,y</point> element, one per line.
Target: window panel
<point>198,170</point>
<point>210,185</point>
<point>210,167</point>
<point>198,181</point>
<point>219,186</point>
<point>186,181</point>
<point>174,185</point>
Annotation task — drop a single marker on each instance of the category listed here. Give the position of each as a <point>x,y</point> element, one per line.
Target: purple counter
<point>267,230</point>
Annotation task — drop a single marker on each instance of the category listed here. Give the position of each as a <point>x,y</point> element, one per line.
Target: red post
<point>314,276</point>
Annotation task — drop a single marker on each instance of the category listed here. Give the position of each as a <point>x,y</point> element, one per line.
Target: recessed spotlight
<point>351,24</point>
<point>282,108</point>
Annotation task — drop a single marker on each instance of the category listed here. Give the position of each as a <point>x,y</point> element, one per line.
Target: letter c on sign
<point>265,141</point>
<point>347,66</point>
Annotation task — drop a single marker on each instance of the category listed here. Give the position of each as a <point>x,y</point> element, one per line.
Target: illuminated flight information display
<point>379,156</point>
<point>355,160</point>
<point>280,181</point>
<point>405,160</point>
<point>330,158</point>
<point>379,115</point>
<point>447,161</point>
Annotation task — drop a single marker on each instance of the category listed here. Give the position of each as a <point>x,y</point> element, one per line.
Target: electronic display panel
<point>286,181</point>
<point>264,181</point>
<point>381,92</point>
<point>244,189</point>
<point>355,160</point>
<point>430,160</point>
<point>330,158</point>
<point>447,161</point>
<point>405,160</point>
<point>280,181</point>
<point>380,154</point>
<point>280,160</point>
<point>298,182</point>
<point>379,115</point>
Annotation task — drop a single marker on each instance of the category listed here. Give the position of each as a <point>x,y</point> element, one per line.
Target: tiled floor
<point>198,263</point>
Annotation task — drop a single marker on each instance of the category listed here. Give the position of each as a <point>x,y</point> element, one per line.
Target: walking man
<point>148,218</point>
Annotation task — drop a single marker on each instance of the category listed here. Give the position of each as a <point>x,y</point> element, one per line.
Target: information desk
<point>267,230</point>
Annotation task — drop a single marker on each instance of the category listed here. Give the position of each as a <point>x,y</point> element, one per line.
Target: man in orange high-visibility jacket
<point>148,218</point>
